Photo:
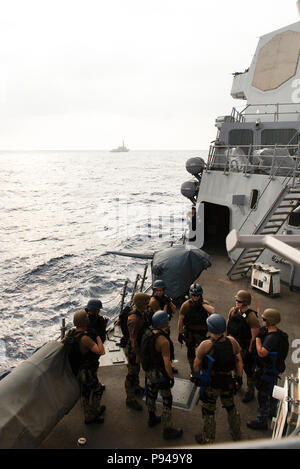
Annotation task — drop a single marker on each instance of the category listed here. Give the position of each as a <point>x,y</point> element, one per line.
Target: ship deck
<point>127,429</point>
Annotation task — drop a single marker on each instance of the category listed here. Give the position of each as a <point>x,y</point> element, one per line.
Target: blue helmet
<point>216,324</point>
<point>160,319</point>
<point>94,305</point>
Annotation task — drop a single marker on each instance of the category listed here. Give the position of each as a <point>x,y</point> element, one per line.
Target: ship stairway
<point>287,201</point>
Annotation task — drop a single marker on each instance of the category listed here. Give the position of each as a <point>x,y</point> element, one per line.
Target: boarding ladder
<point>287,201</point>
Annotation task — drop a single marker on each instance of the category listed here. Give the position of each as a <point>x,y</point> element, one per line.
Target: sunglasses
<point>238,301</point>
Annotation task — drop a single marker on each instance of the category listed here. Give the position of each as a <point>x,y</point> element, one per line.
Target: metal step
<point>271,224</point>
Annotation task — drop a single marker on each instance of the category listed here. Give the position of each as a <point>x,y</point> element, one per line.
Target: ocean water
<point>60,214</point>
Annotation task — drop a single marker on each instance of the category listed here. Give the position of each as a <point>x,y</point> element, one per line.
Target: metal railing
<point>271,160</point>
<point>263,110</point>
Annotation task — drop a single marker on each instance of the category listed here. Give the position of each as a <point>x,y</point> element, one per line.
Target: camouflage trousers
<point>192,341</point>
<point>155,385</point>
<point>209,409</point>
<point>90,392</point>
<point>132,378</point>
<point>248,369</point>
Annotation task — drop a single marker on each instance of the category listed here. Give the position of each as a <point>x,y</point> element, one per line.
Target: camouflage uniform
<point>226,358</point>
<point>133,371</point>
<point>208,413</point>
<point>91,393</point>
<point>156,383</point>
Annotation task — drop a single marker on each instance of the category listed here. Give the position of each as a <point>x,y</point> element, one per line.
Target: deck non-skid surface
<point>127,429</point>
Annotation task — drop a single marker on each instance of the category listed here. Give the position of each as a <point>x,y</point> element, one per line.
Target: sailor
<point>160,300</point>
<point>226,355</point>
<point>243,325</point>
<point>271,348</point>
<point>160,376</point>
<point>89,353</point>
<point>136,324</point>
<point>97,322</point>
<point>192,328</point>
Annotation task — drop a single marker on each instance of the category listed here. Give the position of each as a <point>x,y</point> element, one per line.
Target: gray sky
<point>85,74</point>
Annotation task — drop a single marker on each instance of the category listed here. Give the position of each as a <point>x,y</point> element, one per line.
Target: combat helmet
<point>244,296</point>
<point>159,284</point>
<point>140,300</point>
<point>81,319</point>
<point>93,305</point>
<point>216,324</point>
<point>196,289</point>
<point>160,319</point>
<point>271,316</point>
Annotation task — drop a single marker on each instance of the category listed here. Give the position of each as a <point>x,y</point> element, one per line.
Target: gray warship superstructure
<point>248,186</point>
<point>250,181</point>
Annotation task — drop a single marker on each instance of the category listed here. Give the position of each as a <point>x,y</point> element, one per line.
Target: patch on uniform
<point>183,393</point>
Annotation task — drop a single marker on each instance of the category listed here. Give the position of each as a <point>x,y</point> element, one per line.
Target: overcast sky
<point>85,74</point>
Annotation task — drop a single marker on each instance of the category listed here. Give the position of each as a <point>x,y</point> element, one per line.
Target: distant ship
<point>120,149</point>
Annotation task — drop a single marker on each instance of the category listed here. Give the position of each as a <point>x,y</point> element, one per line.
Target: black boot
<point>153,419</point>
<point>172,433</point>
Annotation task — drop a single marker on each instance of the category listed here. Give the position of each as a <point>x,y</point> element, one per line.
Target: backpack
<point>147,349</point>
<point>71,344</point>
<point>149,357</point>
<point>123,317</point>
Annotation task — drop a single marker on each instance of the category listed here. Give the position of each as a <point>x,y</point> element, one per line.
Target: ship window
<point>254,199</point>
<point>294,219</point>
<point>241,137</point>
<point>279,137</point>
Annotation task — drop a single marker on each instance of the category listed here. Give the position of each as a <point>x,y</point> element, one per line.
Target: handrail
<point>241,115</point>
<point>249,160</point>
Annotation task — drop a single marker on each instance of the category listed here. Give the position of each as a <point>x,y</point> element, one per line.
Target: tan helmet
<point>244,296</point>
<point>81,318</point>
<point>141,300</point>
<point>272,316</point>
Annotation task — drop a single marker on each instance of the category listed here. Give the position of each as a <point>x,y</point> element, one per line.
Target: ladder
<point>287,201</point>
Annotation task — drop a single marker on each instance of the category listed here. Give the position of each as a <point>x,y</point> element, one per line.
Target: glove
<point>180,338</point>
<point>238,383</point>
<point>171,383</point>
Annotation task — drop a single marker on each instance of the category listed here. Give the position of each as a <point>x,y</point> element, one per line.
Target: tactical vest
<point>161,301</point>
<point>196,315</point>
<point>157,359</point>
<point>77,360</point>
<point>239,328</point>
<point>222,352</point>
<point>98,324</point>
